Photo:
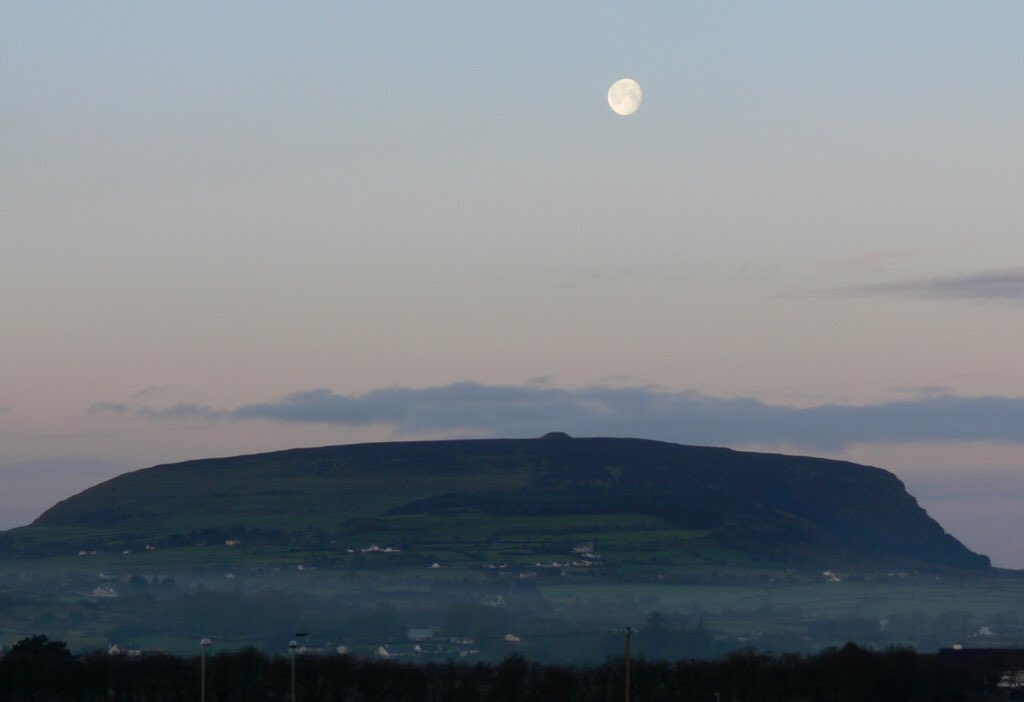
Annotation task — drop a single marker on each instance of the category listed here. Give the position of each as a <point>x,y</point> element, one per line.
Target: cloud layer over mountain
<point>687,416</point>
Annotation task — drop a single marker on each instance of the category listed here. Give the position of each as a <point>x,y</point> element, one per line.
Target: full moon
<point>624,96</point>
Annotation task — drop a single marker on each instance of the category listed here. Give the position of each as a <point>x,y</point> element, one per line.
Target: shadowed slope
<point>516,501</point>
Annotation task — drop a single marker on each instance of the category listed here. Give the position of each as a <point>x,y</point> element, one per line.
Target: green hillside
<point>503,503</point>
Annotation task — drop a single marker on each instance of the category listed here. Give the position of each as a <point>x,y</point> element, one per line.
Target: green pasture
<point>876,597</point>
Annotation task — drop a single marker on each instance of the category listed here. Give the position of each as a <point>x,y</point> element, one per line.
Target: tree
<point>39,649</point>
<point>37,668</point>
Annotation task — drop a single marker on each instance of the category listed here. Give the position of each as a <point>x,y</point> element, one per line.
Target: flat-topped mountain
<point>595,502</point>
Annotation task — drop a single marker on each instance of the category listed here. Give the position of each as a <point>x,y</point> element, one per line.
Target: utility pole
<point>203,644</point>
<point>629,639</point>
<point>292,646</point>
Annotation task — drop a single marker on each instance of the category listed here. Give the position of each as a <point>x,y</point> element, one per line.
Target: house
<point>587,551</point>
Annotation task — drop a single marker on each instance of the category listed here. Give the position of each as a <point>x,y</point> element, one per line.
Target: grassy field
<point>793,610</point>
<point>877,597</point>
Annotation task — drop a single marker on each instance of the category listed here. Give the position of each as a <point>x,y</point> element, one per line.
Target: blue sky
<point>225,227</point>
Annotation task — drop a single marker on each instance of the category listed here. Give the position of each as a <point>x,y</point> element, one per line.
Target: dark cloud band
<point>688,417</point>
<point>1006,285</point>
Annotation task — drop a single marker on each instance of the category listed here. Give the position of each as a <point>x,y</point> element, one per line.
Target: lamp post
<point>629,639</point>
<point>203,645</point>
<point>292,645</point>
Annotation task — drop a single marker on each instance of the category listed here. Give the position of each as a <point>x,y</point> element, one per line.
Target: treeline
<point>39,670</point>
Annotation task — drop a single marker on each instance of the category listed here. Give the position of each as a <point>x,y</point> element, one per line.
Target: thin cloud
<point>1005,285</point>
<point>151,391</point>
<point>179,412</point>
<point>687,417</point>
<point>923,391</point>
<point>873,260</point>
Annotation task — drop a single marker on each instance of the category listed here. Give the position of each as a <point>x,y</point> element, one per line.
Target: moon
<point>624,96</point>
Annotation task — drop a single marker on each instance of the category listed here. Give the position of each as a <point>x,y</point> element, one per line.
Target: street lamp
<point>203,644</point>
<point>629,639</point>
<point>293,645</point>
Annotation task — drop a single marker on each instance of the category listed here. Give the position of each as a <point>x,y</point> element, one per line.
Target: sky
<point>230,228</point>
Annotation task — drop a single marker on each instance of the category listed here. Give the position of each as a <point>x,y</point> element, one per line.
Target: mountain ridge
<point>476,501</point>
